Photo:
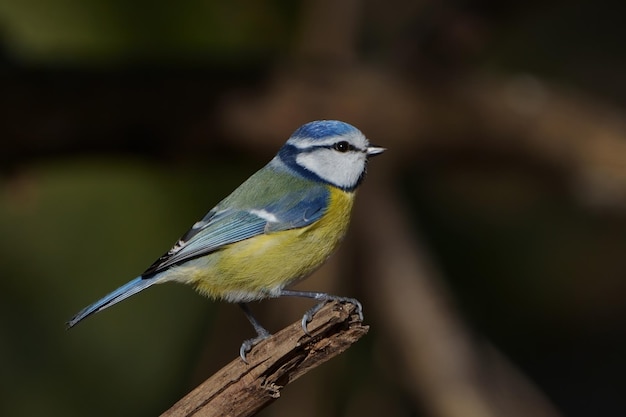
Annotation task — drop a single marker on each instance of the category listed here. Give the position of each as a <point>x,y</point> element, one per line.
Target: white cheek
<point>341,169</point>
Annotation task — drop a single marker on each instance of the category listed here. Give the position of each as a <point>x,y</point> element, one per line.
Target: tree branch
<point>241,389</point>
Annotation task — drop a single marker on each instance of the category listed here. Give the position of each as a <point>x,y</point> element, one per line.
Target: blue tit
<point>272,231</point>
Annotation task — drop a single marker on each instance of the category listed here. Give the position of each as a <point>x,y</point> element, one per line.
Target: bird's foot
<point>247,345</point>
<point>308,316</point>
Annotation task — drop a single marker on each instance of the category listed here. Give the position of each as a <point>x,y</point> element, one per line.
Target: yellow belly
<point>261,266</point>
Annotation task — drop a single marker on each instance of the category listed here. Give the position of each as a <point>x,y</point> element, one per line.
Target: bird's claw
<point>247,345</point>
<point>308,316</point>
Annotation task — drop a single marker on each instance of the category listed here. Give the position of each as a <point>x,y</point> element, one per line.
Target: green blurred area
<point>71,231</point>
<point>110,32</point>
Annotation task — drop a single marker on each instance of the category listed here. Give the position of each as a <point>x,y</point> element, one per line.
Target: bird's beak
<point>375,150</point>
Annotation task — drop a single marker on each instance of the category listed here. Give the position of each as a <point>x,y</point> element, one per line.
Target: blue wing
<point>223,226</point>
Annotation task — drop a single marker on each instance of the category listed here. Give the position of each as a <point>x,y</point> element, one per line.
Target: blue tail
<point>122,293</point>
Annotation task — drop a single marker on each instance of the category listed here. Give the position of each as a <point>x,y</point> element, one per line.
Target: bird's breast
<point>261,266</point>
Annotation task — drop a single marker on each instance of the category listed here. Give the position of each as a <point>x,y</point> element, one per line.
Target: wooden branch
<point>241,389</point>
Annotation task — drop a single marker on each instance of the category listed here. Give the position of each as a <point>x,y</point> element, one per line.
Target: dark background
<point>123,122</point>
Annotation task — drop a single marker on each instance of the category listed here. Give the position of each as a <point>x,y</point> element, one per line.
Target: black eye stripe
<point>341,146</point>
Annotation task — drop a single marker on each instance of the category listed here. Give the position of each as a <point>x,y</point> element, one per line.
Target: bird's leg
<point>260,331</point>
<point>323,298</point>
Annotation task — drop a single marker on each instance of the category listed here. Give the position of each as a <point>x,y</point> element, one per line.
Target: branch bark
<point>241,389</point>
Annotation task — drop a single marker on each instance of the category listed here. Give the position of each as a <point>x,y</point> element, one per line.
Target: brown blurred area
<point>488,242</point>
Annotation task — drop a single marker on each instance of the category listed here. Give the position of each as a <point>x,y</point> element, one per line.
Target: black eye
<point>343,146</point>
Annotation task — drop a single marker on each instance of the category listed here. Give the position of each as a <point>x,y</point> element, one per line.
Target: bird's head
<point>330,151</point>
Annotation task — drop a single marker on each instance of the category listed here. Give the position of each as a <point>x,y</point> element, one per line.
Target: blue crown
<point>322,129</point>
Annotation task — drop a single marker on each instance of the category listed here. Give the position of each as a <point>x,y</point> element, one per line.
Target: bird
<point>272,231</point>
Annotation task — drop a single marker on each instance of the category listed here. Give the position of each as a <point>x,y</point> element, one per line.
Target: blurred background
<point>489,242</point>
